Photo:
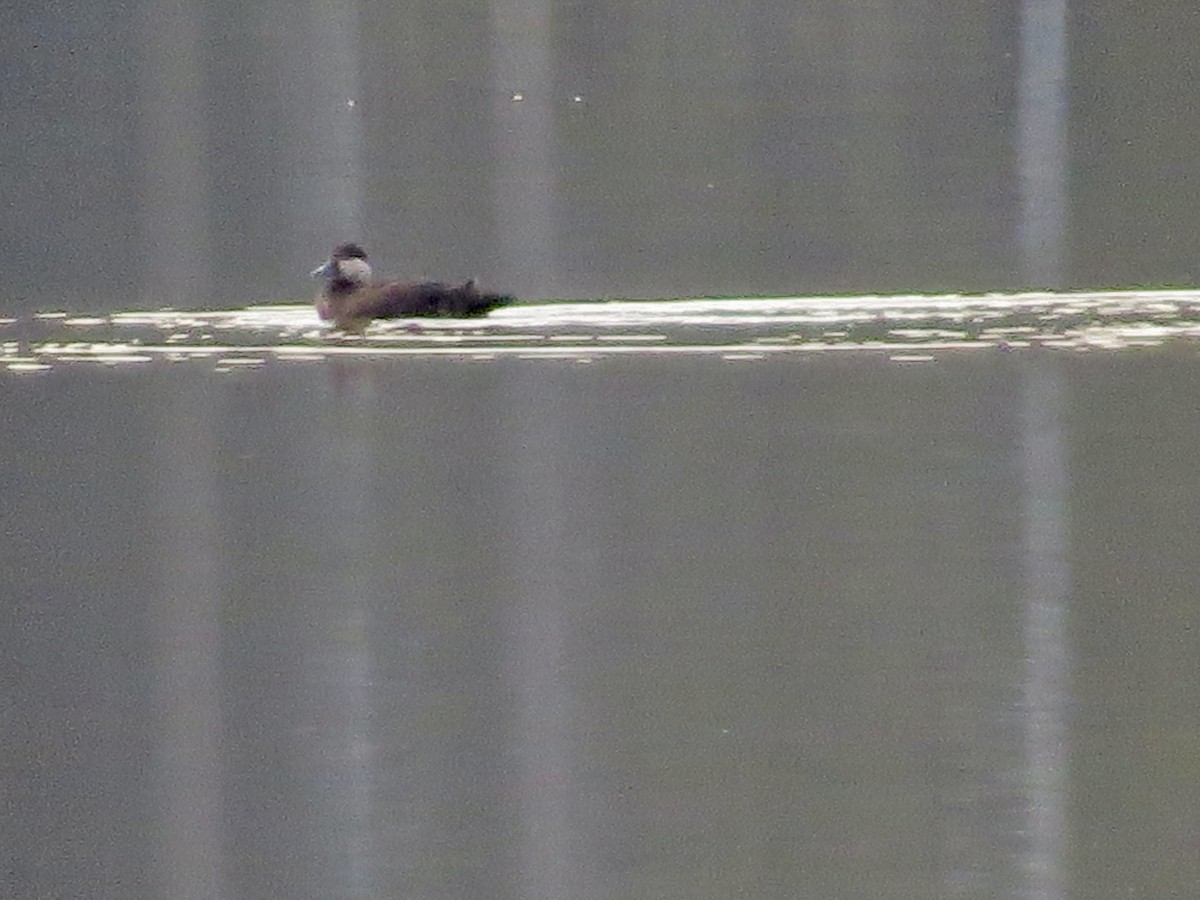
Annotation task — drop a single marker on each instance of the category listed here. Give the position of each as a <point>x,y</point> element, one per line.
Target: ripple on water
<point>911,328</point>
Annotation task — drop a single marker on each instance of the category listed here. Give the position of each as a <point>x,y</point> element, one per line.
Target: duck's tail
<point>471,301</point>
<point>488,302</point>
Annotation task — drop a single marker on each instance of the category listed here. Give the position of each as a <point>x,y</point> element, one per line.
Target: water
<point>885,594</point>
<point>172,156</point>
<point>857,597</point>
<point>905,327</point>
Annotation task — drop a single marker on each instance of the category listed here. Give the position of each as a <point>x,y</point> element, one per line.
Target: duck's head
<point>347,267</point>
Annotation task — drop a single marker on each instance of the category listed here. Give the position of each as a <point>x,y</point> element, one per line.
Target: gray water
<point>603,601</point>
<point>209,154</point>
<point>884,594</point>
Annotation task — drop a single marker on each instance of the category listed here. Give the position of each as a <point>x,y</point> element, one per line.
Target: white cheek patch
<point>356,270</point>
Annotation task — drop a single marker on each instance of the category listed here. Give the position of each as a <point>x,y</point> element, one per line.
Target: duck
<point>351,300</point>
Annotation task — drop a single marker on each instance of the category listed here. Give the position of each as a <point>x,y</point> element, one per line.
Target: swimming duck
<point>351,300</point>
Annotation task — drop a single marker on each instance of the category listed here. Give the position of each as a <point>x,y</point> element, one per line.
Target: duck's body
<point>350,300</point>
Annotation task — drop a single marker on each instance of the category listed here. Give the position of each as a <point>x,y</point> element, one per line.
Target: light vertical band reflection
<point>1047,656</point>
<point>1042,140</point>
<point>186,635</point>
<point>537,651</point>
<point>342,700</point>
<point>333,132</point>
<point>174,200</point>
<point>525,145</point>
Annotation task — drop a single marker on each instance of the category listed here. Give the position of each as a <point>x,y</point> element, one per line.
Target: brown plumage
<point>350,300</point>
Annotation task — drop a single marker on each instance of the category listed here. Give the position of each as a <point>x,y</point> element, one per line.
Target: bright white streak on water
<point>737,328</point>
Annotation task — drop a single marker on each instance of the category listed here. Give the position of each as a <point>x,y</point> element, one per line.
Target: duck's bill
<point>323,271</point>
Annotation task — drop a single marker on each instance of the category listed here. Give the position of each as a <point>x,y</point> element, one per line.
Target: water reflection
<point>536,665</point>
<point>658,625</point>
<point>176,257</point>
<point>734,329</point>
<point>1046,692</point>
<point>1041,138</point>
<point>186,639</point>
<point>525,183</point>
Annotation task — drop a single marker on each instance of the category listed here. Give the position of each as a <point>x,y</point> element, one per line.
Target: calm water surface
<point>805,597</point>
<point>853,598</point>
